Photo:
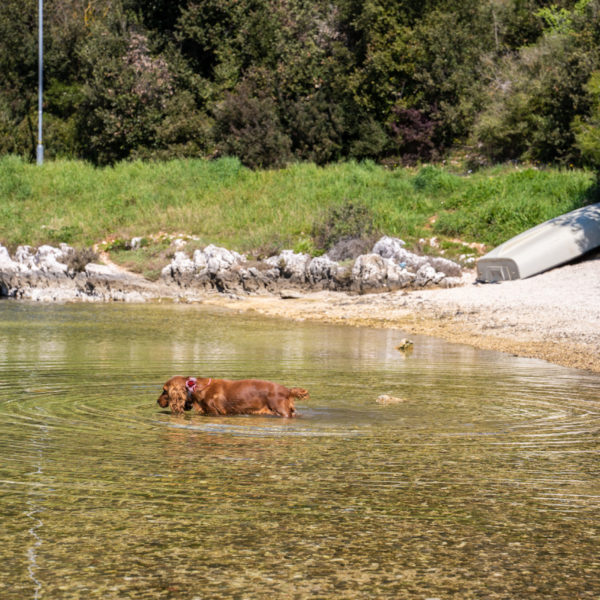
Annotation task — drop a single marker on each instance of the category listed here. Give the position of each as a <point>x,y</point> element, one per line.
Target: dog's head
<point>175,394</point>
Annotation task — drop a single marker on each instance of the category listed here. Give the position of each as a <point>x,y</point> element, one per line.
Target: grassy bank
<point>303,206</point>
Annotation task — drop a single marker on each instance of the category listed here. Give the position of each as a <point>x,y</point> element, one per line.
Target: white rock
<point>293,266</point>
<point>398,276</point>
<point>424,275</point>
<point>200,262</point>
<point>393,248</point>
<point>6,262</point>
<point>446,266</point>
<point>220,259</point>
<point>388,247</point>
<point>105,270</point>
<point>25,258</point>
<point>182,264</point>
<point>438,277</point>
<point>134,296</point>
<point>321,268</point>
<point>370,270</point>
<point>47,259</point>
<point>449,282</point>
<point>44,251</point>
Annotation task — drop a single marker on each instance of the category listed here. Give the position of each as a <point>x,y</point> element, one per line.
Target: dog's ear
<point>178,397</point>
<point>177,401</point>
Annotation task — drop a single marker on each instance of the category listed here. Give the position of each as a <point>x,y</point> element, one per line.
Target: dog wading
<point>229,397</point>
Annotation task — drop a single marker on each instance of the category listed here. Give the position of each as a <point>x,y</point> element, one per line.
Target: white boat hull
<point>550,244</point>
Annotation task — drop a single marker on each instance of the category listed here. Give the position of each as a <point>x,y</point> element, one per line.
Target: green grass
<point>255,212</point>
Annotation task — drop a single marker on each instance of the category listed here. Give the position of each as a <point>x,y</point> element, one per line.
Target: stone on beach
<point>388,267</point>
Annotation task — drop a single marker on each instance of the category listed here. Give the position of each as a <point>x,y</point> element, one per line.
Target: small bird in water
<point>404,345</point>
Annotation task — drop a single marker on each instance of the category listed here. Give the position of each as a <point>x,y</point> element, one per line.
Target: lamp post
<point>40,146</point>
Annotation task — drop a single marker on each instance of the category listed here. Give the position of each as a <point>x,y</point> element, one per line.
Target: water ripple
<point>488,465</point>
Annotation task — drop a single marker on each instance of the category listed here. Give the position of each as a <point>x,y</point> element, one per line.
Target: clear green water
<point>483,484</point>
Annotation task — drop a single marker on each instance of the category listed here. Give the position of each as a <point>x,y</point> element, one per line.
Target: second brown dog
<point>229,397</point>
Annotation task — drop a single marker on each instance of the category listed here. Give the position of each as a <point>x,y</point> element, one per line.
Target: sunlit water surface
<point>484,483</point>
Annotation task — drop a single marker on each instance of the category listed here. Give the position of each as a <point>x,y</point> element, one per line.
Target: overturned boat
<point>550,244</point>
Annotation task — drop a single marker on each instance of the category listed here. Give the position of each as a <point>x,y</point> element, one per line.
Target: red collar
<point>191,384</point>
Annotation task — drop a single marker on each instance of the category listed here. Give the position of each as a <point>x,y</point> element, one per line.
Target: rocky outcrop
<point>389,266</point>
<point>45,274</point>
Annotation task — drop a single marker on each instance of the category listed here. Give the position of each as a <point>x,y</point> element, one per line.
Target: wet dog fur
<point>229,397</point>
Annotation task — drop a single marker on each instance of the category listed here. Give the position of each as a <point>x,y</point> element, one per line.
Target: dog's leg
<point>216,405</point>
<point>286,409</point>
<point>197,407</point>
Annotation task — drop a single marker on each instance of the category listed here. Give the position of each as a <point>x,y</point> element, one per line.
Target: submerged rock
<point>386,399</point>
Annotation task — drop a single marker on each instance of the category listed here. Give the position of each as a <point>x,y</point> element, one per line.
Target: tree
<point>18,69</point>
<point>535,94</point>
<point>396,81</point>
<point>587,130</point>
<point>132,105</point>
<point>248,126</point>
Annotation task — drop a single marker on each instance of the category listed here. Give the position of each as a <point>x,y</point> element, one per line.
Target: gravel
<point>561,304</point>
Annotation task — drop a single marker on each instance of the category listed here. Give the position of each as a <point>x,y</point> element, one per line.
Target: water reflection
<point>482,484</point>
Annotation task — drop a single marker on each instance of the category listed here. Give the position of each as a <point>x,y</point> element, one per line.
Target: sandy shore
<point>554,316</point>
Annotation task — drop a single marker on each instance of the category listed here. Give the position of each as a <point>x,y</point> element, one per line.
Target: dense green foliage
<point>278,81</point>
<point>302,206</point>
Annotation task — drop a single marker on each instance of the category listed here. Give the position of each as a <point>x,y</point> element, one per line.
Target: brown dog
<point>226,397</point>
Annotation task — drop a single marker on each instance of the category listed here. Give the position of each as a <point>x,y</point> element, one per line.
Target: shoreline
<point>554,316</point>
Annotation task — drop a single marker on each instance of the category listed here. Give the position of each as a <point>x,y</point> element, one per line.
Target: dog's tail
<point>299,393</point>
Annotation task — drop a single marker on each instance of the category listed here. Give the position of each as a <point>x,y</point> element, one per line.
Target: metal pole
<point>40,146</point>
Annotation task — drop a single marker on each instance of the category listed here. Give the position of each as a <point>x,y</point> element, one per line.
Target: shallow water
<point>484,483</point>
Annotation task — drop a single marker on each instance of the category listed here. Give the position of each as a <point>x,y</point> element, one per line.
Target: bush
<point>371,140</point>
<point>316,129</point>
<point>346,221</point>
<point>587,130</point>
<point>132,107</point>
<point>533,99</point>
<point>413,135</point>
<point>77,259</point>
<point>248,126</point>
